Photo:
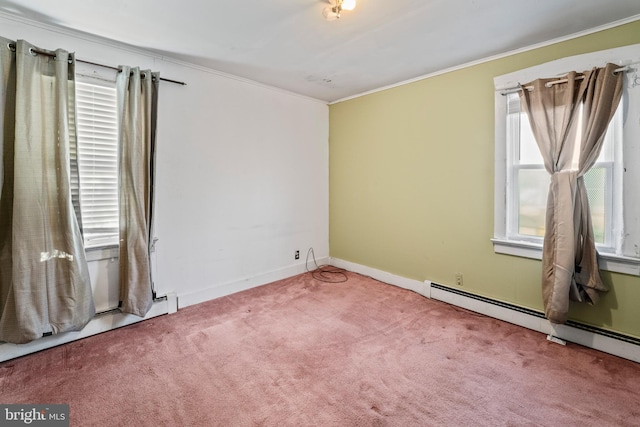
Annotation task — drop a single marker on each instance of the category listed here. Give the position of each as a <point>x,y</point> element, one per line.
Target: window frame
<point>626,257</point>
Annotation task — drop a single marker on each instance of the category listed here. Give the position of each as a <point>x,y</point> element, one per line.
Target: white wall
<point>242,172</point>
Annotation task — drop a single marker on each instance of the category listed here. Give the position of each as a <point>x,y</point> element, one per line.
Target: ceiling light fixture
<point>333,13</point>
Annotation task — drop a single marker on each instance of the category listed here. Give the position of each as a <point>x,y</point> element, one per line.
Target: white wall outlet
<point>459,279</point>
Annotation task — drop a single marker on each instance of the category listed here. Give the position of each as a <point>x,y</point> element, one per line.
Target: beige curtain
<point>137,93</point>
<point>44,279</point>
<point>569,121</point>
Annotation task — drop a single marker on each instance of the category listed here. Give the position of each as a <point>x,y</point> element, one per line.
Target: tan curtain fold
<point>137,109</point>
<point>569,121</point>
<point>44,278</point>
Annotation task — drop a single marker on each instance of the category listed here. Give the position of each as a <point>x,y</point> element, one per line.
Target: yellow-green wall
<point>411,185</point>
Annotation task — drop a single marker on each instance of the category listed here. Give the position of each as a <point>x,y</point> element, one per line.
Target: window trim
<point>606,261</point>
<point>616,262</point>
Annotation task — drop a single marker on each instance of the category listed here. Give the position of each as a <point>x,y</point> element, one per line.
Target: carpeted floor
<point>300,352</point>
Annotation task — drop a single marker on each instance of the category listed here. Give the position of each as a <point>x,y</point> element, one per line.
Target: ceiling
<point>288,43</point>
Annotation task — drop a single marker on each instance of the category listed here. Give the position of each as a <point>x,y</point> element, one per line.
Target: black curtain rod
<point>53,55</point>
<point>119,70</point>
<point>555,82</point>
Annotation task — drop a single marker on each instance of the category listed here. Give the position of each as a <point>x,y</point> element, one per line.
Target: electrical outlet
<point>459,279</point>
<point>297,256</point>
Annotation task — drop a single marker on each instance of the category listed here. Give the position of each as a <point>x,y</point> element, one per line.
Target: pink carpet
<point>300,352</point>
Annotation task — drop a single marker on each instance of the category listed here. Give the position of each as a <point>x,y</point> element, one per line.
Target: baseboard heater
<point>590,336</point>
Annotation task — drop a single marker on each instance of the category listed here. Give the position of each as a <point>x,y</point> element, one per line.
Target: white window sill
<point>607,261</point>
<point>102,253</point>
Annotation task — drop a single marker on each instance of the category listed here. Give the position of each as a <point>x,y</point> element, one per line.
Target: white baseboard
<point>217,291</point>
<point>593,340</point>
<point>100,323</point>
<point>112,320</point>
<point>417,286</point>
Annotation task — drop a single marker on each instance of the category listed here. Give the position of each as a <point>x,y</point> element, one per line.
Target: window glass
<point>98,162</point>
<point>530,181</point>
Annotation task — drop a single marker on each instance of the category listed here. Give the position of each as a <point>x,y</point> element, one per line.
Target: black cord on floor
<point>325,273</point>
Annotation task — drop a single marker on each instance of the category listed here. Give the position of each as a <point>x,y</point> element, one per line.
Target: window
<point>613,184</point>
<point>529,181</point>
<point>98,161</point>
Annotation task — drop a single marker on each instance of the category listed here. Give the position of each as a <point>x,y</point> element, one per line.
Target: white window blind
<point>98,162</point>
